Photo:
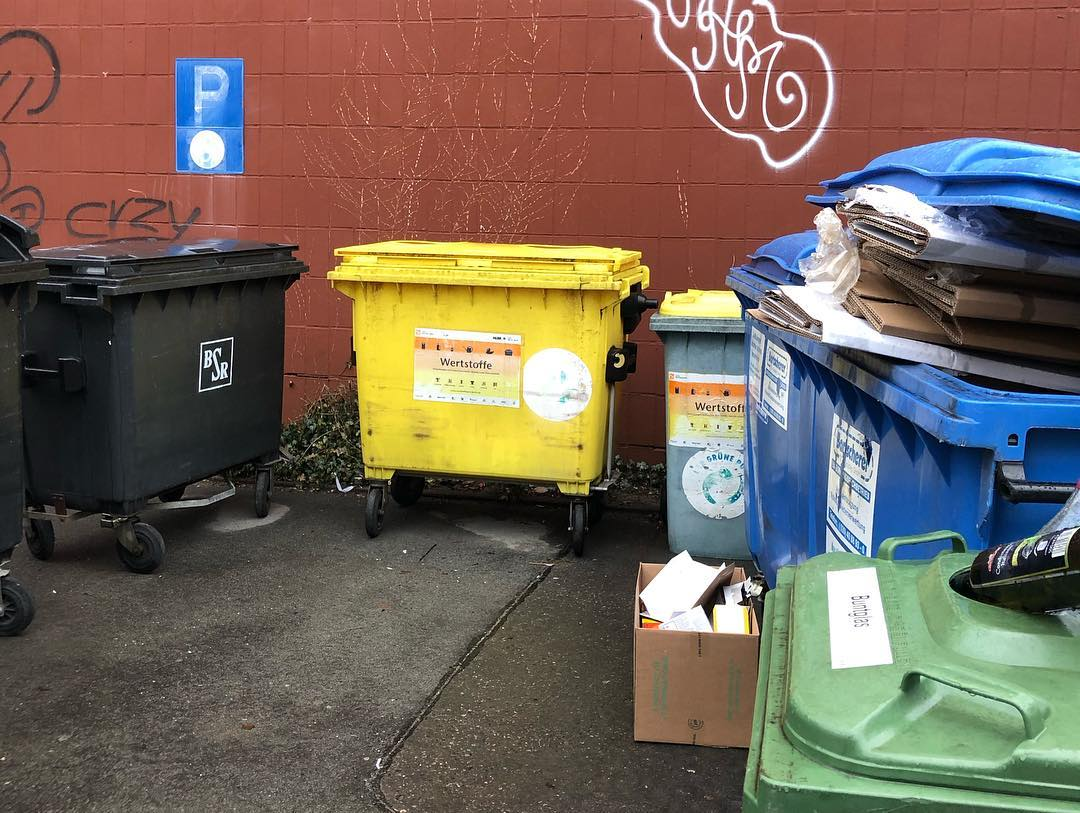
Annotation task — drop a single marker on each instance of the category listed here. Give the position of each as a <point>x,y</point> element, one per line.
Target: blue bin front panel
<point>930,475</point>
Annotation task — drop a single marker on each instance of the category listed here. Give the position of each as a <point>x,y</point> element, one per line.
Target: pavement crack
<point>384,762</point>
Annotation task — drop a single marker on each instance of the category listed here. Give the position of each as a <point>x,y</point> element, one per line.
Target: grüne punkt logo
<point>215,364</point>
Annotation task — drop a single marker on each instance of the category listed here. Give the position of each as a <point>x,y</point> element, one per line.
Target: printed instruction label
<point>858,629</point>
<point>757,356</point>
<point>775,384</point>
<point>705,410</point>
<point>464,367</point>
<point>852,490</point>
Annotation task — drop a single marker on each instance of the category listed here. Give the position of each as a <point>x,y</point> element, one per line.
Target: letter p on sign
<point>210,116</point>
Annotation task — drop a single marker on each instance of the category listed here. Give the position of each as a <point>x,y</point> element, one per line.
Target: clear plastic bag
<point>833,268</point>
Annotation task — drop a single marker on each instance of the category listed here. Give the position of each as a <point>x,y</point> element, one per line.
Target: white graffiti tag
<point>753,49</point>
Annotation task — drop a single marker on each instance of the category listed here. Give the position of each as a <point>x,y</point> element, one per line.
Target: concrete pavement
<point>279,665</point>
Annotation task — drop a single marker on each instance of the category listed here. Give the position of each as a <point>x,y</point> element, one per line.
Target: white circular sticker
<point>557,384</point>
<point>207,149</point>
<point>712,481</point>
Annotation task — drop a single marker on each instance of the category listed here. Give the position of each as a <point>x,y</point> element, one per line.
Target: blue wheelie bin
<point>845,449</point>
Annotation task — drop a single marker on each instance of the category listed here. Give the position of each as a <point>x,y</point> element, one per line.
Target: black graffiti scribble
<point>24,203</point>
<point>131,214</point>
<point>29,81</point>
<point>112,219</point>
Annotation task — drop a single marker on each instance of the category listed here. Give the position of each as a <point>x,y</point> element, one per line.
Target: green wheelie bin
<point>883,687</point>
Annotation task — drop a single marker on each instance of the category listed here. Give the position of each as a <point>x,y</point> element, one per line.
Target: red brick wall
<point>539,120</point>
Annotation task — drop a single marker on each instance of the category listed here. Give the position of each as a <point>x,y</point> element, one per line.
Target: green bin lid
<point>892,674</point>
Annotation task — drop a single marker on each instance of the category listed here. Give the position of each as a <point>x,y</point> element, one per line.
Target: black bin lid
<point>125,258</point>
<point>16,262</point>
<point>143,264</point>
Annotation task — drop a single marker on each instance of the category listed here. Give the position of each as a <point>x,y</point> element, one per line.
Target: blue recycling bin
<point>845,449</point>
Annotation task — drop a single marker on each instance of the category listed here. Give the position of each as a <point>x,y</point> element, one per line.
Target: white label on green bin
<point>713,481</point>
<point>853,469</point>
<point>775,384</point>
<point>858,629</point>
<point>558,385</point>
<point>757,355</point>
<point>466,367</point>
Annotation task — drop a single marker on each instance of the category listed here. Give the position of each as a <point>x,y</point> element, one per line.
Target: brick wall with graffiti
<point>688,130</point>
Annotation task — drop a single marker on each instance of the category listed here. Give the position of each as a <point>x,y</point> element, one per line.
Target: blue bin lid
<point>786,251</point>
<point>775,263</point>
<point>748,285</point>
<point>975,172</point>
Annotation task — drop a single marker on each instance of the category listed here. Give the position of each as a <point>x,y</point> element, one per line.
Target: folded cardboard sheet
<point>840,329</point>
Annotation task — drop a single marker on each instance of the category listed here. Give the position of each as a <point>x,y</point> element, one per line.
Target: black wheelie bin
<point>150,366</point>
<point>18,272</point>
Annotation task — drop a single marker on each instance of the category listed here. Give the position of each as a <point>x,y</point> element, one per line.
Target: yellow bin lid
<point>498,264</point>
<point>706,304</point>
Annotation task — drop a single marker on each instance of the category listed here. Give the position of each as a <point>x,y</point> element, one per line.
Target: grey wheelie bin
<point>704,498</point>
<point>18,271</point>
<point>150,366</point>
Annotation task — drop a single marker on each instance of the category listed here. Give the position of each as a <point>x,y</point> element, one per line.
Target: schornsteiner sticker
<point>775,384</point>
<point>464,367</point>
<point>757,361</point>
<point>705,410</point>
<point>852,489</point>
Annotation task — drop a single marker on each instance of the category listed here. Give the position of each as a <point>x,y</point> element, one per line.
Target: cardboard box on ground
<point>694,687</point>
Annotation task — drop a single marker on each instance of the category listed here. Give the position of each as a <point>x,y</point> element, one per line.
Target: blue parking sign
<point>210,115</point>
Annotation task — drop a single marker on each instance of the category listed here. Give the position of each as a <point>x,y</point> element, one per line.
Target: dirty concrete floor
<point>542,718</point>
<point>275,664</point>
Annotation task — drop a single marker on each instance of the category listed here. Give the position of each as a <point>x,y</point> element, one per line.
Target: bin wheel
<point>174,495</point>
<point>374,510</point>
<point>406,489</point>
<point>150,547</point>
<point>264,481</point>
<point>578,526</point>
<point>41,539</point>
<point>597,506</point>
<point>16,607</point>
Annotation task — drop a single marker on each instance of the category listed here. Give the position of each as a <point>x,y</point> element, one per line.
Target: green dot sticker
<point>713,481</point>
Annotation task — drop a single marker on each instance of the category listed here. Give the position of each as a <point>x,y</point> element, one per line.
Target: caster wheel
<point>264,481</point>
<point>175,495</point>
<point>41,539</point>
<point>597,506</point>
<point>374,510</point>
<point>578,517</point>
<point>16,607</point>
<point>406,489</point>
<point>150,546</point>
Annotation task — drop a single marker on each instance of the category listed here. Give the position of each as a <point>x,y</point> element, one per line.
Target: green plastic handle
<point>888,548</point>
<point>1033,710</point>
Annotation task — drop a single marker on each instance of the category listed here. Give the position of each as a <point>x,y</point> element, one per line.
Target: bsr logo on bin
<point>215,364</point>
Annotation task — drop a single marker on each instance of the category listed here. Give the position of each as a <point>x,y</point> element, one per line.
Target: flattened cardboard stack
<point>1012,311</point>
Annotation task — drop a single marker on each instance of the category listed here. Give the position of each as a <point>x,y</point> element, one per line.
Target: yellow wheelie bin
<point>490,361</point>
